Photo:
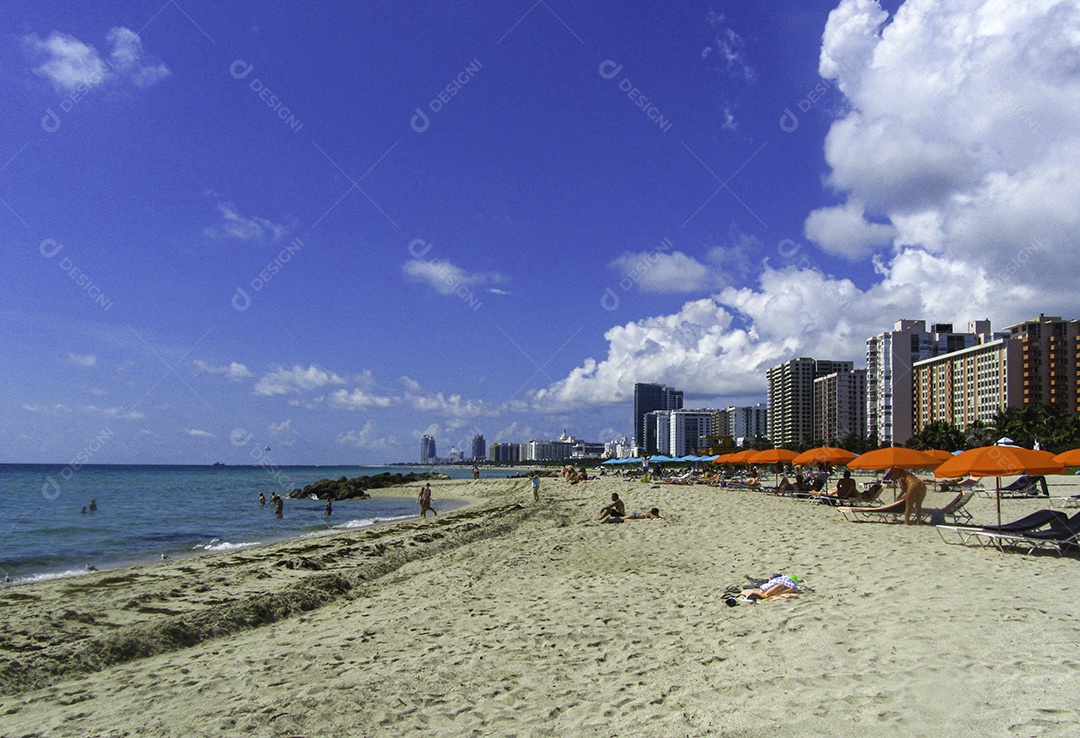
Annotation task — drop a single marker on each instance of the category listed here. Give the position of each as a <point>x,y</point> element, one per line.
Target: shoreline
<point>181,552</point>
<point>510,616</point>
<point>117,607</point>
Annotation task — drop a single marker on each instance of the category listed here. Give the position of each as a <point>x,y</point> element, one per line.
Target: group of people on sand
<point>616,512</point>
<point>573,475</point>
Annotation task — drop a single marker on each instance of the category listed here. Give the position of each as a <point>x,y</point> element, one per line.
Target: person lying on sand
<point>653,514</point>
<point>777,588</point>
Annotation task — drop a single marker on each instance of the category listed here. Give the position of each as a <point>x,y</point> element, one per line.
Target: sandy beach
<point>511,617</point>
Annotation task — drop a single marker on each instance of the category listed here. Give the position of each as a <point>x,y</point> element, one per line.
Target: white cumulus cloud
<point>298,379</point>
<point>844,230</point>
<point>657,271</point>
<point>447,278</point>
<point>71,64</point>
<point>367,438</point>
<point>234,371</point>
<point>962,127</point>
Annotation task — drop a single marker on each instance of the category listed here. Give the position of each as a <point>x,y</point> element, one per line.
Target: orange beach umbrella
<point>999,461</point>
<point>894,456</point>
<point>1069,458</point>
<point>772,456</point>
<point>824,454</point>
<point>939,454</point>
<point>739,457</point>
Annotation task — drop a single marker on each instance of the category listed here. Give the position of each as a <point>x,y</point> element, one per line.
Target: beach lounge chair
<point>958,485</point>
<point>1034,521</point>
<point>1025,486</point>
<point>1059,536</point>
<point>890,513</point>
<point>953,512</point>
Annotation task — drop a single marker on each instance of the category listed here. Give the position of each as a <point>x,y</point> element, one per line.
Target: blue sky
<point>332,230</point>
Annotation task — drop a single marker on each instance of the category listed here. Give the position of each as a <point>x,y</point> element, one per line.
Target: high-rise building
<point>1049,349</point>
<point>839,406</point>
<point>743,424</point>
<point>791,397</point>
<point>972,384</point>
<point>647,398</point>
<point>479,447</point>
<point>889,379</point>
<point>689,431</point>
<point>427,450</point>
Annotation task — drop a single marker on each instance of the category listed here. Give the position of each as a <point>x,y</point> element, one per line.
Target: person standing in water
<point>262,499</point>
<point>279,505</point>
<point>329,507</point>
<point>425,501</point>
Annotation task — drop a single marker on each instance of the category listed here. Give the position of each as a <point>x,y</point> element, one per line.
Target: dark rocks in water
<point>356,488</point>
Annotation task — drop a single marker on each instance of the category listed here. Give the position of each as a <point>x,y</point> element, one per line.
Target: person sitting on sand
<point>617,507</point>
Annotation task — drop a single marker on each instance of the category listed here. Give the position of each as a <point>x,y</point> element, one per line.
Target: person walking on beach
<point>535,482</point>
<point>425,501</point>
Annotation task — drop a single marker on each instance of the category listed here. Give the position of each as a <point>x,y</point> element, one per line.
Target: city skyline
<point>331,231</point>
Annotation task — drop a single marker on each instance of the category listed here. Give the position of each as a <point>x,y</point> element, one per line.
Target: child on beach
<point>536,486</point>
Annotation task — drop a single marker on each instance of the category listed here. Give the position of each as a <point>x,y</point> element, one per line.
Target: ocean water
<point>146,511</point>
